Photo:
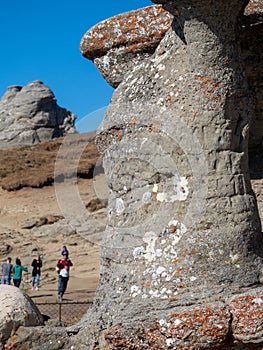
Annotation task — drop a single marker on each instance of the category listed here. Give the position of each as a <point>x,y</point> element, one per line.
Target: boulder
<point>17,309</point>
<point>30,115</point>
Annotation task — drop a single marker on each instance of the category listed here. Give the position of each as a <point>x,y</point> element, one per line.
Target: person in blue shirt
<point>7,268</point>
<point>64,251</point>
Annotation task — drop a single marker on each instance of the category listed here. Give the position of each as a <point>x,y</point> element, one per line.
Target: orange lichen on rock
<point>247,311</point>
<point>253,7</point>
<point>189,328</point>
<point>134,30</point>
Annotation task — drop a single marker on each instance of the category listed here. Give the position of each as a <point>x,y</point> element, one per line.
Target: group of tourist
<point>62,268</point>
<point>17,270</point>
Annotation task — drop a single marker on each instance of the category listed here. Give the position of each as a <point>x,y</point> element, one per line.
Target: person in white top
<point>63,277</point>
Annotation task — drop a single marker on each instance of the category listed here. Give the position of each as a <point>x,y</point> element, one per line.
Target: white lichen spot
<point>138,252</point>
<point>155,188</point>
<point>161,67</point>
<point>154,276</point>
<point>155,293</point>
<point>150,239</point>
<point>147,197</point>
<point>233,257</point>
<point>162,322</point>
<point>177,322</point>
<point>160,270</point>
<point>163,109</point>
<point>134,289</point>
<point>144,140</point>
<point>120,207</point>
<point>159,253</point>
<point>193,278</point>
<point>161,197</point>
<point>169,342</point>
<point>220,326</point>
<point>164,296</point>
<point>180,188</point>
<point>257,301</point>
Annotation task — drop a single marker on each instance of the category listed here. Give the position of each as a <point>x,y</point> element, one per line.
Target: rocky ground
<point>33,220</point>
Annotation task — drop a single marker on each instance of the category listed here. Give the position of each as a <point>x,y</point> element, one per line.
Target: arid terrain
<point>33,219</point>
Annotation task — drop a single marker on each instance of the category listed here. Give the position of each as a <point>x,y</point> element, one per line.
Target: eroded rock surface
<point>30,115</point>
<point>183,222</point>
<point>118,44</point>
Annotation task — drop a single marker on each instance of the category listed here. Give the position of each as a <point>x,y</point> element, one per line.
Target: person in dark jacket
<point>37,265</point>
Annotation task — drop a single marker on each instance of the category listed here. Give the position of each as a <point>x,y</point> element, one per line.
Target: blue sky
<point>40,40</point>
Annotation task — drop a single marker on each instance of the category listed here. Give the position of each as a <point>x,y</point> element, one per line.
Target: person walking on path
<point>7,269</point>
<point>63,282</point>
<point>37,265</point>
<point>63,267</point>
<point>18,270</point>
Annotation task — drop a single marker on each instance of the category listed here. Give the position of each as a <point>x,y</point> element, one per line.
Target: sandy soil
<point>18,208</point>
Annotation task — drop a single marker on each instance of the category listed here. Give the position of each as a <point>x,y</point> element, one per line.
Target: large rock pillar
<point>183,225</point>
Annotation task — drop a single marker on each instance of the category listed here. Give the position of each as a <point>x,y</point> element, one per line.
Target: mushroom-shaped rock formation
<point>184,232</point>
<point>118,44</point>
<point>30,114</point>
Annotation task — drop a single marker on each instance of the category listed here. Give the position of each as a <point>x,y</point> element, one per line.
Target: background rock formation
<point>30,114</point>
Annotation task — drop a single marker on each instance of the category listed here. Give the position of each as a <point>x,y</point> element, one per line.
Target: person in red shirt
<point>62,279</point>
